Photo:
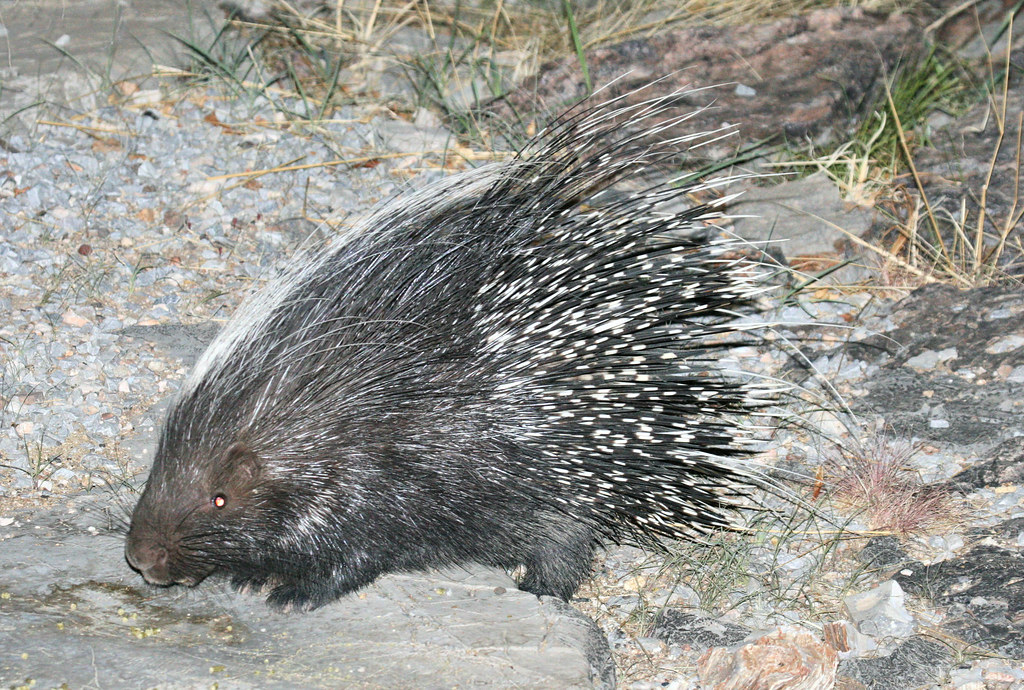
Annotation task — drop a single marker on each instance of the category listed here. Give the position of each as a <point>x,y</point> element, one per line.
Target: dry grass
<point>456,53</point>
<point>932,240</point>
<point>363,28</point>
<point>965,247</point>
<point>876,482</point>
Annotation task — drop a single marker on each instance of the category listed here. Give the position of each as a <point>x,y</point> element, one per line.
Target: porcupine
<point>510,367</point>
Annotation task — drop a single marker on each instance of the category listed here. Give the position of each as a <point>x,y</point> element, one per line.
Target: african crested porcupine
<point>508,367</point>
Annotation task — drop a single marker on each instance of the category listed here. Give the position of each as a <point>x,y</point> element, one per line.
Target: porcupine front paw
<point>560,562</point>
<point>290,598</point>
<point>312,593</point>
<point>556,579</point>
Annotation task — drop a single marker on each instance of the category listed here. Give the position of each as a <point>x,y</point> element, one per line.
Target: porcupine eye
<point>219,501</point>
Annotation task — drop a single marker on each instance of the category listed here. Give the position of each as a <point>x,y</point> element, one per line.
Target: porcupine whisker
<point>186,516</point>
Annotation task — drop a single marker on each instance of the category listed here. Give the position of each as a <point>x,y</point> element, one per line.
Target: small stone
<point>73,319</point>
<point>881,612</point>
<point>790,658</point>
<point>1005,344</point>
<point>929,359</point>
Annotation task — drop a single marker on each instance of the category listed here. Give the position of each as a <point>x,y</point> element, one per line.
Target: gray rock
<point>918,661</point>
<point>810,218</point>
<point>983,593</point>
<point>676,627</point>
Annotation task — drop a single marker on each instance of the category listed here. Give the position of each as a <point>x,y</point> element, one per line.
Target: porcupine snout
<point>154,560</point>
<point>150,560</point>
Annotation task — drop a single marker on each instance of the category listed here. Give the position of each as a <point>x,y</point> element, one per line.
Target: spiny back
<point>514,321</point>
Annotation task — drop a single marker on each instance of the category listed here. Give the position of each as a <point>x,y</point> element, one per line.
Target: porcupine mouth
<point>187,581</point>
<point>166,579</point>
<point>194,579</point>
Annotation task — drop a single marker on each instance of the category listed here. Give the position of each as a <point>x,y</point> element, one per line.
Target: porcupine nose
<point>150,560</point>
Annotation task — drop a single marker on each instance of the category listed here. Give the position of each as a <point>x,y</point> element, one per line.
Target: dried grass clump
<point>877,481</point>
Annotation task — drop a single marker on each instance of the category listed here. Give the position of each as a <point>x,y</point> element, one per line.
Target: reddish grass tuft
<point>878,480</point>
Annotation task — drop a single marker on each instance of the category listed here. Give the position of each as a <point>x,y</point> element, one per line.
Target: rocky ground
<point>135,213</point>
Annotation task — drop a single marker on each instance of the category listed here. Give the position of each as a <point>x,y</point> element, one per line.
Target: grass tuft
<point>926,239</point>
<point>876,482</point>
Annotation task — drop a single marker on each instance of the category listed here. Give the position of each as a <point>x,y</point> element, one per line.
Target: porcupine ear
<point>241,464</point>
<point>238,474</point>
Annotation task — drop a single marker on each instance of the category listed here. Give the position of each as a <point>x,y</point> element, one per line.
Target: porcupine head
<point>502,368</point>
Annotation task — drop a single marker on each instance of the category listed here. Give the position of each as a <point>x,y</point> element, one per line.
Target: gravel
<point>116,218</point>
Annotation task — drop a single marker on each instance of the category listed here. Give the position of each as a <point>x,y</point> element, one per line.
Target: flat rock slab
<point>72,613</point>
<point>807,222</point>
<point>982,592</point>
<point>968,346</point>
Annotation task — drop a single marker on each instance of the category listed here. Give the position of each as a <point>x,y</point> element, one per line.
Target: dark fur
<point>395,402</point>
